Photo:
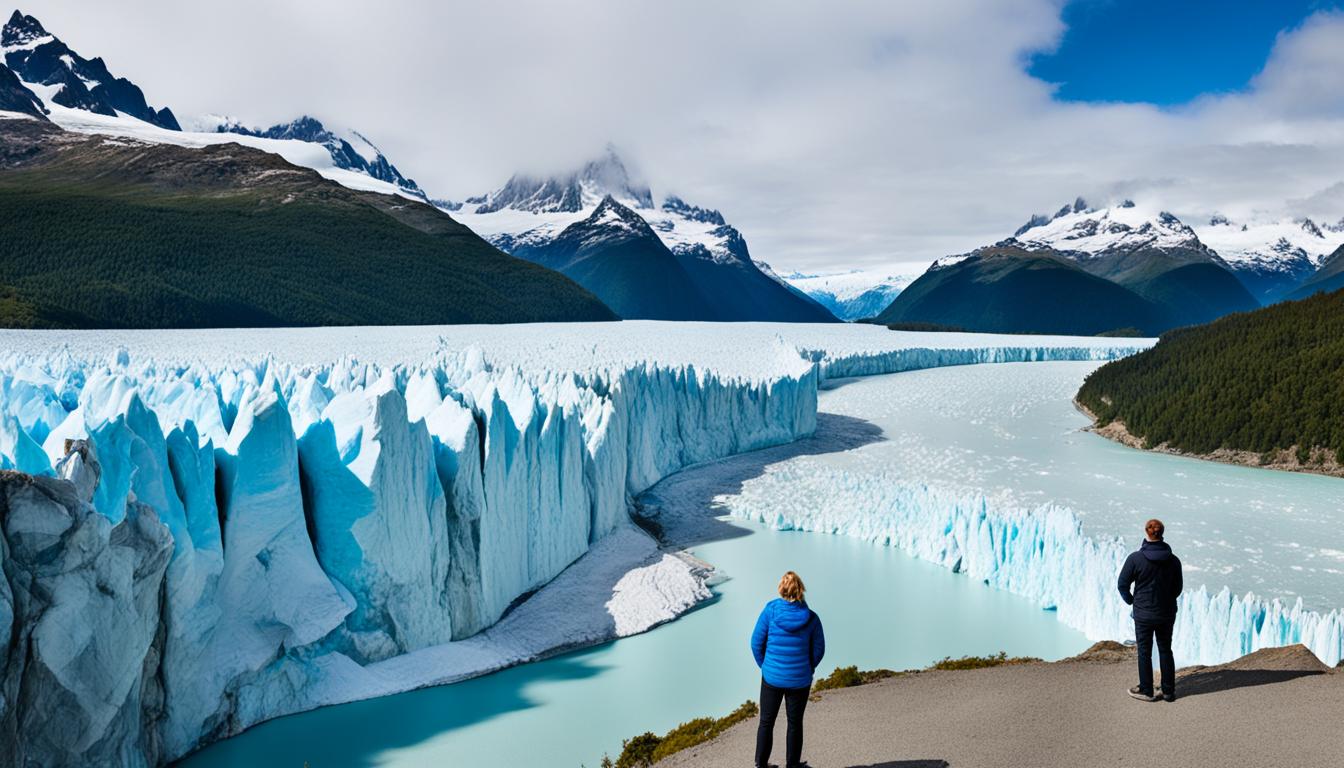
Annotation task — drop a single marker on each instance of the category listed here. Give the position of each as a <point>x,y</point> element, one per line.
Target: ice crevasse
<point>191,546</point>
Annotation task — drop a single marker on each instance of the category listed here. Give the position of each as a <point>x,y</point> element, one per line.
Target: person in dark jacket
<point>788,645</point>
<point>1154,574</point>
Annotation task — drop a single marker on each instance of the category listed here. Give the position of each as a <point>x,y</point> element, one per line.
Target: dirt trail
<point>1276,707</point>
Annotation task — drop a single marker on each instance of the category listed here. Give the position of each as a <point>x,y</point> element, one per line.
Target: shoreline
<point>1286,461</point>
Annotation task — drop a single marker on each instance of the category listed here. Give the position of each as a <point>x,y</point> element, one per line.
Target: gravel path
<point>1277,707</point>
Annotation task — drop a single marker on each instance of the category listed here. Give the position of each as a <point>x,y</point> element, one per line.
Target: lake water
<point>1011,433</point>
<point>1005,430</point>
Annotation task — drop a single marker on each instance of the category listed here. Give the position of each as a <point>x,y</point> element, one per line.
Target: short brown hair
<point>1154,528</point>
<point>791,587</point>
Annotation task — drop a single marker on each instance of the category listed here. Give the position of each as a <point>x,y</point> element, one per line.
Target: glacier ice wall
<point>1040,553</point>
<point>308,514</point>
<point>80,610</point>
<point>222,536</point>
<point>872,362</point>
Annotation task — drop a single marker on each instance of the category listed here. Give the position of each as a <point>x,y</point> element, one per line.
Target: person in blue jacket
<point>788,645</point>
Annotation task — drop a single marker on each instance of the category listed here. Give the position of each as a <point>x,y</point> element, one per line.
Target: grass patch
<point>648,748</point>
<point>982,662</point>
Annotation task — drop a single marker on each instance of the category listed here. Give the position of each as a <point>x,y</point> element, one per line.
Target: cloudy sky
<point>835,135</point>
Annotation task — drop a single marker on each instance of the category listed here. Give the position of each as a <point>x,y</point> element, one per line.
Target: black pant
<point>1144,632</point>
<point>795,701</point>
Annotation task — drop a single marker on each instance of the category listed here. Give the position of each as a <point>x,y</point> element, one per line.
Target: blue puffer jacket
<point>788,644</point>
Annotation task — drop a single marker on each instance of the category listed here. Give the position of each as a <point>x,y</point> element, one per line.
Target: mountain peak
<point>21,30</point>
<point>37,56</point>
<point>609,175</point>
<point>610,212</point>
<point>1078,228</point>
<point>303,128</point>
<point>571,192</point>
<point>1079,205</point>
<point>611,223</point>
<point>674,204</point>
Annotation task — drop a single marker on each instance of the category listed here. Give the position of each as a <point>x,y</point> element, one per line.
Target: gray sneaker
<point>1135,692</point>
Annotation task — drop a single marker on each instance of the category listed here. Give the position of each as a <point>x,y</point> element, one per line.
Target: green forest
<point>103,255</point>
<point>1261,381</point>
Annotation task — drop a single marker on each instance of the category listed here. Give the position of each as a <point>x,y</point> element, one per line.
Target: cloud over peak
<point>834,135</point>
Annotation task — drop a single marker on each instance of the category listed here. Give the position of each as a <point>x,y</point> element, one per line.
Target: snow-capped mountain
<point>81,95</point>
<point>527,215</point>
<point>569,193</point>
<point>1083,270</point>
<point>349,149</point>
<point>40,58</point>
<point>1271,258</point>
<point>616,255</point>
<point>530,210</point>
<point>852,295</point>
<point>1148,250</point>
<point>1085,233</point>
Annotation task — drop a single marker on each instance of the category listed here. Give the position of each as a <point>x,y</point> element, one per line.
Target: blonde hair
<point>791,587</point>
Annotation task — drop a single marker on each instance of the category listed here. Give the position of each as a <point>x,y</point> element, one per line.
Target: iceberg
<point>206,529</point>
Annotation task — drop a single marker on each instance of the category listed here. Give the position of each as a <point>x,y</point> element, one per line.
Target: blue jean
<point>1144,633</point>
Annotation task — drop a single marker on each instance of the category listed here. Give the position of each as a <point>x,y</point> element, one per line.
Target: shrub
<point>848,677</point>
<point>647,748</point>
<point>982,662</point>
<point>638,752</point>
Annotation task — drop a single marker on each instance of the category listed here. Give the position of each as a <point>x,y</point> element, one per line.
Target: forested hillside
<point>120,234</point>
<point>1265,382</point>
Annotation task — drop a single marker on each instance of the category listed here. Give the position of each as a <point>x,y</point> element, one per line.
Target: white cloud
<point>833,134</point>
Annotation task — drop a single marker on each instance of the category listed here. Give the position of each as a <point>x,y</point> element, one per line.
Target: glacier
<point>206,529</point>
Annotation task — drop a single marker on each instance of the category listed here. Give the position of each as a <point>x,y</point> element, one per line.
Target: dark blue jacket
<point>788,644</point>
<point>1155,574</point>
